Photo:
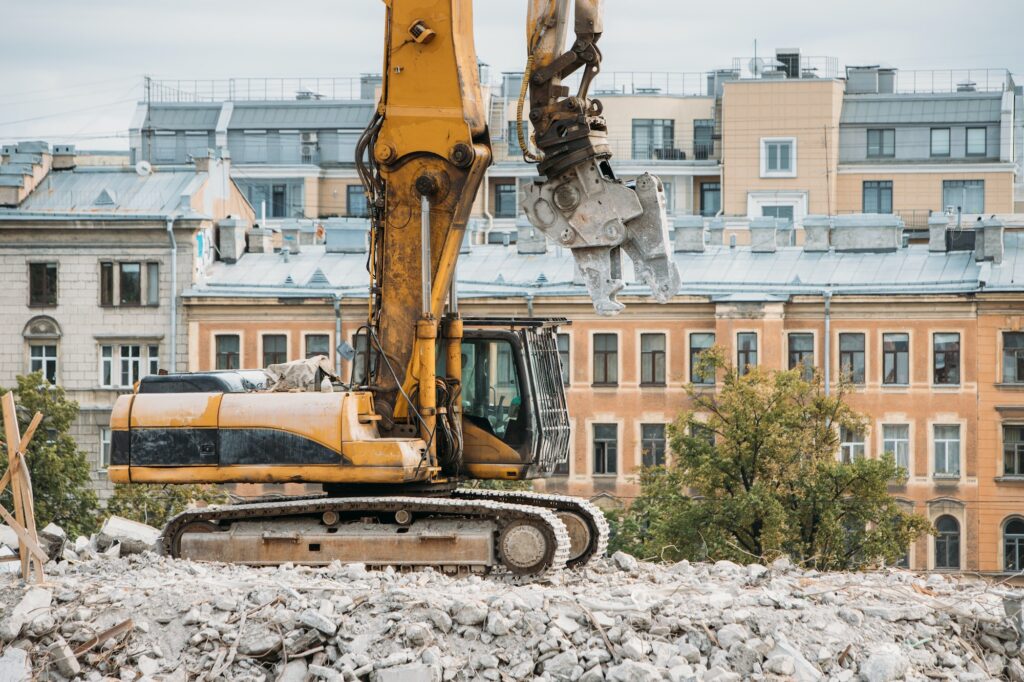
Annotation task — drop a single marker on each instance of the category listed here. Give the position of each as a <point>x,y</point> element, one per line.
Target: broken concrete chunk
<point>33,604</point>
<point>63,657</point>
<point>409,673</point>
<point>885,664</point>
<point>134,537</point>
<point>15,665</point>
<point>8,537</point>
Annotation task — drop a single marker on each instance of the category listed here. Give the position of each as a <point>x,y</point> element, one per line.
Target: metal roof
<point>720,273</point>
<point>183,116</point>
<point>957,108</point>
<point>301,115</point>
<point>76,192</point>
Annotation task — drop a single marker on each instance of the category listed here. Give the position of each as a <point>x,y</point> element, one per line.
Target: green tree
<point>59,470</point>
<point>156,504</point>
<point>755,475</point>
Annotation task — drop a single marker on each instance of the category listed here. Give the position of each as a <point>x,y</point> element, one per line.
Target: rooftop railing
<point>952,80</point>
<point>259,89</point>
<point>676,84</point>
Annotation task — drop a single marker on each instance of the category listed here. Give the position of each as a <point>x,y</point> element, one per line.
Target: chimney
<point>22,167</point>
<point>347,235</point>
<point>291,236</point>
<point>202,160</point>
<point>231,239</point>
<point>988,241</point>
<point>816,229</point>
<point>689,234</point>
<point>64,157</point>
<point>938,223</point>
<point>867,232</point>
<point>261,240</point>
<point>716,232</point>
<point>529,240</point>
<point>763,235</point>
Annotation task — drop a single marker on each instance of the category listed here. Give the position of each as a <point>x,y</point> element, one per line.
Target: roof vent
<point>542,279</point>
<point>318,279</point>
<point>107,197</point>
<point>288,281</point>
<point>967,86</point>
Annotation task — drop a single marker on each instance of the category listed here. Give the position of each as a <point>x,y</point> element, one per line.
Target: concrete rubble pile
<point>127,615</point>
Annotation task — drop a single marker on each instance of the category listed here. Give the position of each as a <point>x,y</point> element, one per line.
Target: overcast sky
<point>71,70</point>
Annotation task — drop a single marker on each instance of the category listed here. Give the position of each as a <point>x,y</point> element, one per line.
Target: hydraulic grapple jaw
<point>595,215</point>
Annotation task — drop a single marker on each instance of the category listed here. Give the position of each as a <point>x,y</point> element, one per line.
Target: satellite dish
<point>756,67</point>
<point>143,168</point>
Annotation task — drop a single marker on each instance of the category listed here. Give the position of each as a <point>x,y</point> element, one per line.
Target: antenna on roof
<point>143,168</point>
<point>756,67</point>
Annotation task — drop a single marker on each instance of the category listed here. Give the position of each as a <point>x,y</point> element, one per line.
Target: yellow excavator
<point>446,399</point>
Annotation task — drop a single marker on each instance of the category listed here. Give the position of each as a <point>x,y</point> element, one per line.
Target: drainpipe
<point>529,305</point>
<point>173,365</point>
<point>487,203</point>
<point>337,334</point>
<point>827,297</point>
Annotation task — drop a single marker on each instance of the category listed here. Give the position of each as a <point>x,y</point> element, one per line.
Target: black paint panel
<point>119,444</point>
<point>270,446</point>
<point>173,447</point>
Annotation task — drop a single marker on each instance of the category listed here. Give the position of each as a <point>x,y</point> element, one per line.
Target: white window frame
<point>147,362</point>
<point>105,445</point>
<point>946,473</point>
<point>984,140</point>
<point>130,364</point>
<point>852,450</point>
<point>768,173</point>
<point>152,359</point>
<point>897,441</point>
<point>43,358</point>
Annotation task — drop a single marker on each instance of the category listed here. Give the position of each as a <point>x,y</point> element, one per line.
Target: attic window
<point>106,198</point>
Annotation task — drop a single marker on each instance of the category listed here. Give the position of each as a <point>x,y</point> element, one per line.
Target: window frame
<point>566,366</point>
<point>958,353</point>
<point>964,186</point>
<point>897,440</point>
<point>946,441</point>
<point>799,357</point>
<point>305,344</point>
<point>236,354</point>
<point>850,448</point>
<point>501,192</point>
<point>984,141</point>
<point>694,358</point>
<point>45,360</point>
<point>886,353</point>
<point>103,460</point>
<point>129,364</point>
<point>931,143</point>
<point>744,367</point>
<point>356,198</point>
<point>649,360</point>
<point>1018,541</point>
<point>880,187</point>
<point>666,127</point>
<point>112,364</point>
<point>1018,356</point>
<point>658,445</point>
<point>276,336</point>
<point>602,444</point>
<point>853,354</point>
<point>766,170</point>
<point>1018,448</point>
<point>614,365</point>
<point>48,298</point>
<point>881,146</point>
<point>944,537</point>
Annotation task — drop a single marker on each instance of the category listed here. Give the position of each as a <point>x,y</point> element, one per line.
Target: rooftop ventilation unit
<point>789,59</point>
<point>966,86</point>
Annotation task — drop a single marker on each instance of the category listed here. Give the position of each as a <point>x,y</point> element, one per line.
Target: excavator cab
<point>514,418</point>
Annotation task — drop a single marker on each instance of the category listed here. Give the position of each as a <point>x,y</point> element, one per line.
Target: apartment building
<point>931,336</point>
<point>93,262</point>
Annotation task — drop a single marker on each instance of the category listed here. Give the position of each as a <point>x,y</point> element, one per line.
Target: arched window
<point>1013,545</point>
<point>947,542</point>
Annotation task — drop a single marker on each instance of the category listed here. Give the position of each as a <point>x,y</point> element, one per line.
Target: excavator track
<point>453,534</point>
<point>585,522</point>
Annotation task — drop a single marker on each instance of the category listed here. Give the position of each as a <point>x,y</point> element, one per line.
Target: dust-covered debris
<point>616,620</point>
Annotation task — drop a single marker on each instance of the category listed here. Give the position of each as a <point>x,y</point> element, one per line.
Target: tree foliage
<point>59,470</point>
<point>769,482</point>
<point>157,504</point>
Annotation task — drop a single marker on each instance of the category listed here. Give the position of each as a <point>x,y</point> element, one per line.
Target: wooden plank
<point>22,534</point>
<point>30,510</point>
<point>29,432</point>
<point>10,424</point>
<point>102,637</point>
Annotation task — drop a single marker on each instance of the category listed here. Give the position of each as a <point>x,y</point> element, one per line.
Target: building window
<point>1013,357</point>
<point>710,199</point>
<point>1013,545</point>
<point>318,344</point>
<point>513,136</point>
<point>896,442</point>
<point>652,359</point>
<point>946,355</point>
<point>801,354</point>
<point>699,343</point>
<point>104,448</point>
<point>1013,450</point>
<point>254,146</point>
<point>106,284</point>
<point>505,200</point>
<point>106,365</point>
<point>42,284</point>
<point>564,357</point>
<point>228,356</point>
<point>977,142</point>
<point>606,449</point>
<point>881,143</point>
<point>606,360</point>
<point>947,450</point>
<point>275,349</point>
<point>877,196</point>
<point>152,284</point>
<point>940,142</point>
<point>851,445</point>
<point>131,364</point>
<point>851,357</point>
<point>654,138</point>
<point>967,195</point>
<point>165,146</point>
<point>43,358</point>
<point>703,138</point>
<point>947,542</point>
<point>153,356</point>
<point>895,359</point>
<point>779,212</point>
<point>746,351</point>
<point>355,202</point>
<point>778,157</point>
<point>652,444</point>
<point>130,282</point>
